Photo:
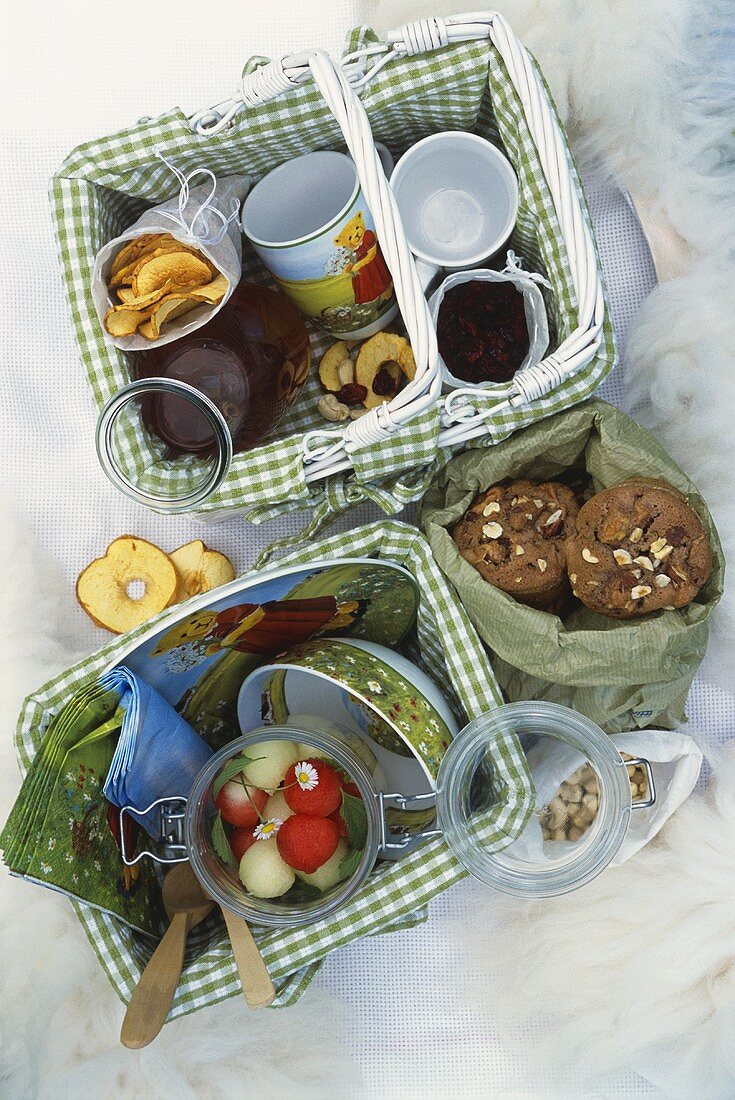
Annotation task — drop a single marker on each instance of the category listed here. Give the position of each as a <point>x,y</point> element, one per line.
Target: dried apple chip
<point>200,569</point>
<point>183,269</point>
<point>211,292</point>
<point>123,321</point>
<point>171,307</point>
<point>330,363</point>
<point>133,250</point>
<point>128,298</point>
<point>380,362</point>
<point>106,588</point>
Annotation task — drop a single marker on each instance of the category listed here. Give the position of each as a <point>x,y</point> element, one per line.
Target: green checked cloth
<point>104,185</point>
<point>447,646</point>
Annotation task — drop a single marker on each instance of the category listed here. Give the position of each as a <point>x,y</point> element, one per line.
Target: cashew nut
<point>332,409</point>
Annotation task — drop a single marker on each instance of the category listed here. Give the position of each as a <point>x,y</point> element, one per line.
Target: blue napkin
<point>158,754</point>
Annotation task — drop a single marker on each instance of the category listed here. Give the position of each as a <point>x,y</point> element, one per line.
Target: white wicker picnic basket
<point>465,71</point>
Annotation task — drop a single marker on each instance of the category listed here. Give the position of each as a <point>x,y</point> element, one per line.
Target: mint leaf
<point>308,890</point>
<point>355,818</point>
<point>350,863</point>
<point>220,843</point>
<point>232,768</point>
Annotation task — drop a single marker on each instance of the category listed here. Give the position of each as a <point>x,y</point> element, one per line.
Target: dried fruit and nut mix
<point>157,279</point>
<point>372,378</point>
<point>135,580</point>
<point>574,807</point>
<point>288,820</point>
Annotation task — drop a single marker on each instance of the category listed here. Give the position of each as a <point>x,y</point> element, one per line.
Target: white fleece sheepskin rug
<point>59,1016</point>
<point>642,960</point>
<point>636,970</point>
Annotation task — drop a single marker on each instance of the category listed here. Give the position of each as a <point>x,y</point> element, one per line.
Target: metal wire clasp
<point>643,803</point>
<point>171,831</point>
<point>402,802</point>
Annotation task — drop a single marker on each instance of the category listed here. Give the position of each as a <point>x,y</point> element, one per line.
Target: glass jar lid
<point>581,805</point>
<point>120,451</point>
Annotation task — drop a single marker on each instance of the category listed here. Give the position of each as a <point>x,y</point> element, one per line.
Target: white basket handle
<point>327,452</point>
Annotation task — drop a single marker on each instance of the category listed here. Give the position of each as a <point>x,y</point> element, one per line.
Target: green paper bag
<point>621,674</point>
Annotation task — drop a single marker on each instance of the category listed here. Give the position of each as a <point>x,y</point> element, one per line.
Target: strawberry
<point>240,841</point>
<point>321,793</point>
<point>306,841</point>
<point>351,788</point>
<point>240,805</point>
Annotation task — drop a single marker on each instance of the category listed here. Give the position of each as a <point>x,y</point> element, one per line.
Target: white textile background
<point>70,72</point>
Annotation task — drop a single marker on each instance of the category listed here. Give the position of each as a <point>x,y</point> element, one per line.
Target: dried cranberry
<point>384,383</point>
<point>482,331</point>
<point>352,393</point>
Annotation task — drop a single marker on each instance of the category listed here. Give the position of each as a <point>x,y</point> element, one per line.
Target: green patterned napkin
<point>60,831</point>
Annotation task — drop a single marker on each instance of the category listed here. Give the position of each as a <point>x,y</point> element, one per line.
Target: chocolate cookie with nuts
<point>635,548</point>
<point>514,537</point>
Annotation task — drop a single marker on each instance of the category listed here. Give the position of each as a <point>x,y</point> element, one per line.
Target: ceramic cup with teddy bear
<point>309,223</point>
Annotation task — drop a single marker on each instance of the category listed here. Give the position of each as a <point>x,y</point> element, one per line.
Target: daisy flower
<point>307,776</point>
<point>266,829</point>
<point>374,687</point>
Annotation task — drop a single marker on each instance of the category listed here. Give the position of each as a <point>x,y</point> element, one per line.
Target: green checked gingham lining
<point>104,185</point>
<point>396,893</point>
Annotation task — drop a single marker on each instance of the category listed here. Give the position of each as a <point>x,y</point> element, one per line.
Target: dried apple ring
<point>106,588</point>
<point>200,569</point>
<point>329,364</point>
<point>380,362</point>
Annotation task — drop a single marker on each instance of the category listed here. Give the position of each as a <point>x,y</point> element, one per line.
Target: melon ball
<point>273,761</point>
<point>309,752</point>
<point>277,807</point>
<point>262,871</point>
<point>326,876</point>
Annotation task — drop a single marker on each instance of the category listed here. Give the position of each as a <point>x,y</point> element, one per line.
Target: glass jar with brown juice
<point>251,361</point>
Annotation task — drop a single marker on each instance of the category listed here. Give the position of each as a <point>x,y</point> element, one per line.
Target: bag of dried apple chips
<point>620,673</point>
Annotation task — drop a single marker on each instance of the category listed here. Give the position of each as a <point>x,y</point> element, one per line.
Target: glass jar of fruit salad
<point>303,849</point>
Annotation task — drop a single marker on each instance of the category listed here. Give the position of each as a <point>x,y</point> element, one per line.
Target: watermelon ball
<point>240,805</point>
<point>313,787</point>
<point>240,841</point>
<point>306,841</point>
<point>340,822</point>
<point>263,873</point>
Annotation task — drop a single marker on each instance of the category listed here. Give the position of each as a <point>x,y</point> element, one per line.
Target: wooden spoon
<point>257,986</point>
<point>187,905</point>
